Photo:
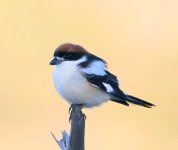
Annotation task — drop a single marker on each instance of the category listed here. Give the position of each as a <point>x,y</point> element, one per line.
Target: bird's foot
<point>84,116</point>
<point>72,109</point>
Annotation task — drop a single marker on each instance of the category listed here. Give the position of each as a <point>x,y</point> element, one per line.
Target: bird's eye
<point>68,56</point>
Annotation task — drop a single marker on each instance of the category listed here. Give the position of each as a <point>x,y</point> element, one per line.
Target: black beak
<point>55,61</point>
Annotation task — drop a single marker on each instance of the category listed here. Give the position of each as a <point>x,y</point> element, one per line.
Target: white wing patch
<point>96,67</point>
<point>108,87</point>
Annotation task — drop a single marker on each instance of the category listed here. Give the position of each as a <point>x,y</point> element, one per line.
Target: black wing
<point>109,84</point>
<point>99,81</point>
<point>94,70</point>
<point>118,95</point>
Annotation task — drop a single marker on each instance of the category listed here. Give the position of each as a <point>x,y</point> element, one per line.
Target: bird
<point>82,78</point>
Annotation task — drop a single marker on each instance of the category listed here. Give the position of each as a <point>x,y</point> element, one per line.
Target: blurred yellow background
<point>138,39</point>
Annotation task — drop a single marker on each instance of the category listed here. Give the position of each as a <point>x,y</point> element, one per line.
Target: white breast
<point>71,85</point>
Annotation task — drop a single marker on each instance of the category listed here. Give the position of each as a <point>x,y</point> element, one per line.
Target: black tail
<point>138,101</point>
<point>133,100</point>
<point>121,97</point>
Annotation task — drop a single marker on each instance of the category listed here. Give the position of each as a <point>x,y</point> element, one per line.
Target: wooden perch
<point>76,139</point>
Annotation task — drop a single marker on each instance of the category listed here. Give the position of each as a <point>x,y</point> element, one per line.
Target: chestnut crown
<point>69,52</point>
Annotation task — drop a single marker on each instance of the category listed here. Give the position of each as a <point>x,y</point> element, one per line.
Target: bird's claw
<point>84,116</point>
<point>71,110</point>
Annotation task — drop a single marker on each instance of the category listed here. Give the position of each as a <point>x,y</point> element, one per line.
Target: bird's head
<point>68,52</point>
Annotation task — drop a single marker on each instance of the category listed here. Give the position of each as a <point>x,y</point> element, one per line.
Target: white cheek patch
<point>96,67</point>
<point>108,87</point>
